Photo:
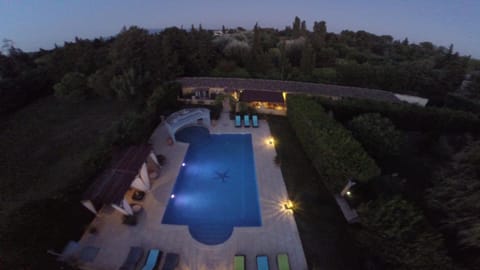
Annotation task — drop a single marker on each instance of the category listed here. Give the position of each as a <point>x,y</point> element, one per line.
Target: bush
<point>457,102</point>
<point>406,239</point>
<point>405,116</point>
<point>334,152</point>
<point>73,87</point>
<point>454,196</point>
<point>325,75</point>
<point>377,135</point>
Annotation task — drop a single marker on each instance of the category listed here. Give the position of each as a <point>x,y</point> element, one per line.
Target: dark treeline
<point>130,64</point>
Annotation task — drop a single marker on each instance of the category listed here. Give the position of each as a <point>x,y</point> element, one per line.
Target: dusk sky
<point>41,24</point>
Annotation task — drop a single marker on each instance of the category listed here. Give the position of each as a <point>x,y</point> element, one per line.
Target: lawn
<point>44,148</point>
<point>322,228</point>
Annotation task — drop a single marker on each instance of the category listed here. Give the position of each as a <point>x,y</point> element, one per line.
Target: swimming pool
<point>216,189</point>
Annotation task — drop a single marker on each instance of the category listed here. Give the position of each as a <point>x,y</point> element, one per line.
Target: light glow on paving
<point>270,141</point>
<point>288,206</point>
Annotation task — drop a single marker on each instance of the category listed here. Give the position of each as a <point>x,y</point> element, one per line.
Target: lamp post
<point>348,186</point>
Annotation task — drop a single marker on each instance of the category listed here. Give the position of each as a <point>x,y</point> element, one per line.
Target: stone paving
<point>278,233</point>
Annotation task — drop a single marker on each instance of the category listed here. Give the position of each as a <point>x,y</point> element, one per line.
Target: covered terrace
<point>131,169</point>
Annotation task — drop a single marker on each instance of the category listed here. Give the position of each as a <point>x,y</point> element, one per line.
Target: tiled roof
<point>291,87</point>
<point>111,186</point>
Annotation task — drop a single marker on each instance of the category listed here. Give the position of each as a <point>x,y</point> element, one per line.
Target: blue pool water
<point>216,190</point>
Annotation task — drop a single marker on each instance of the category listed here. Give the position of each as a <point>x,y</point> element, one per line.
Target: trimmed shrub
<point>404,116</point>
<point>457,102</point>
<point>333,150</point>
<point>377,135</point>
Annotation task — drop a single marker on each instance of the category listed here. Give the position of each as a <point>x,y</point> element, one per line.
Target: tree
<point>130,85</point>
<point>129,49</point>
<point>303,28</point>
<point>259,61</point>
<point>319,35</point>
<point>99,82</point>
<point>307,63</point>
<point>296,27</point>
<point>284,64</point>
<point>72,87</point>
<point>407,239</point>
<point>377,135</point>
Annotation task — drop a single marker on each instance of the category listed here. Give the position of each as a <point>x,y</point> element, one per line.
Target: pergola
<point>187,117</point>
<point>132,167</point>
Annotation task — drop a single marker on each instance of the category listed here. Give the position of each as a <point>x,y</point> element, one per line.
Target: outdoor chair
<point>153,259</point>
<point>239,262</point>
<point>255,121</point>
<point>262,262</point>
<point>246,120</point>
<point>238,121</point>
<point>133,258</point>
<point>171,261</point>
<point>282,261</point>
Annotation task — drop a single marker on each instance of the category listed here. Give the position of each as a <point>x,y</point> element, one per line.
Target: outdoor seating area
<point>262,262</point>
<point>246,121</point>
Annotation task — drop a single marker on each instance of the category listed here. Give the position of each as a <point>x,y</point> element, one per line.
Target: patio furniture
<point>133,258</point>
<point>255,121</point>
<point>246,120</point>
<point>238,121</point>
<point>282,261</point>
<point>262,262</point>
<point>171,261</point>
<point>239,262</point>
<point>153,259</point>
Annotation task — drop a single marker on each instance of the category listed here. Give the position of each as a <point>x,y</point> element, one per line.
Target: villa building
<point>271,94</point>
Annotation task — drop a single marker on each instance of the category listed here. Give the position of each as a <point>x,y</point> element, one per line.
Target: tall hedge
<point>334,152</point>
<point>405,116</point>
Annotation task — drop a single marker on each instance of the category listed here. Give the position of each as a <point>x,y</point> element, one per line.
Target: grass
<point>322,227</point>
<point>44,148</point>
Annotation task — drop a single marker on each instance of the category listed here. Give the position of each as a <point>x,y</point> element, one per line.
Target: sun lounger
<point>262,262</point>
<point>153,258</point>
<point>238,121</point>
<point>282,261</point>
<point>246,120</point>
<point>171,261</point>
<point>255,121</point>
<point>239,262</point>
<point>134,256</point>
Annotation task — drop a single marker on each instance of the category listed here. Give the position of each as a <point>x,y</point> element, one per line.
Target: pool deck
<point>278,233</point>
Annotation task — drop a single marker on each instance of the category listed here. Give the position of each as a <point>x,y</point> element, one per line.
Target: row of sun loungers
<point>246,121</point>
<point>152,261</point>
<point>262,262</point>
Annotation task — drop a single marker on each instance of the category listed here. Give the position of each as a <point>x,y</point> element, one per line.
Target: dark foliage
<point>405,116</point>
<point>334,152</point>
<point>377,135</point>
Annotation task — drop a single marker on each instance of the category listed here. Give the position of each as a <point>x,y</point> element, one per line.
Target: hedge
<point>457,102</point>
<point>405,116</point>
<point>335,154</point>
